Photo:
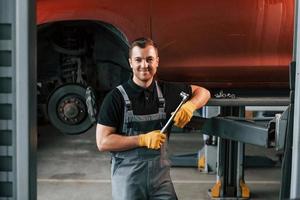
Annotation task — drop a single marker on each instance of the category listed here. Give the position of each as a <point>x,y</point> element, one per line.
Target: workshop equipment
<point>169,122</point>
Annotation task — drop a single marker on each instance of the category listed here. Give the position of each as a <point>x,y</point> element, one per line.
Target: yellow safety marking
<point>216,190</point>
<point>201,163</point>
<point>245,189</point>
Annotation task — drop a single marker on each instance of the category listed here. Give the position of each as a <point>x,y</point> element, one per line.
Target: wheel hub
<point>71,110</point>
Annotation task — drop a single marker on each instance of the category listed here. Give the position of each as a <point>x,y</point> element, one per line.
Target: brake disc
<point>67,110</point>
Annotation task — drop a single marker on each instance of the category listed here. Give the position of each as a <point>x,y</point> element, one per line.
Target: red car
<point>242,46</point>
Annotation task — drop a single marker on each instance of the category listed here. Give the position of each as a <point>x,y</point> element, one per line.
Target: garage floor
<point>71,168</point>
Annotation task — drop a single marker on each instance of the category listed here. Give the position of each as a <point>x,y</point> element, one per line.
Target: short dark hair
<point>142,43</point>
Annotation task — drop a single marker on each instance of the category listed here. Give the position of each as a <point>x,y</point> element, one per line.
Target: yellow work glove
<point>152,140</point>
<point>184,114</point>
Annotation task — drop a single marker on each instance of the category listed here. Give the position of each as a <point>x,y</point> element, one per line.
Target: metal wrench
<point>184,98</point>
<point>163,130</point>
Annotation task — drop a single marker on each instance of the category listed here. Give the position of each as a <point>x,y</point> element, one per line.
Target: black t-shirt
<point>144,101</point>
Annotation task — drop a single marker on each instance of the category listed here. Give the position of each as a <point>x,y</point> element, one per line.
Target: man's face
<point>144,63</point>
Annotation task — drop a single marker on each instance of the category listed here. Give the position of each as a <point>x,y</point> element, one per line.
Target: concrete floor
<point>71,168</point>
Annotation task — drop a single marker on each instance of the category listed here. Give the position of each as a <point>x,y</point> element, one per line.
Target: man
<point>129,126</point>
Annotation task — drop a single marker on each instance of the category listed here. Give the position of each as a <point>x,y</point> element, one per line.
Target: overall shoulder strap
<point>125,97</point>
<point>128,112</point>
<point>160,98</point>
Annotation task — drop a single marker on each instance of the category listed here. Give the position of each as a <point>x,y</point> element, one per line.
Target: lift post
<point>233,131</point>
<point>295,170</point>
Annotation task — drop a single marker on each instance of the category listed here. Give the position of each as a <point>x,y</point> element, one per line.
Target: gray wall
<point>17,100</point>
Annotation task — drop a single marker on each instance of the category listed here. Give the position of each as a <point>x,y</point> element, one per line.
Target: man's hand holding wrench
<point>182,115</point>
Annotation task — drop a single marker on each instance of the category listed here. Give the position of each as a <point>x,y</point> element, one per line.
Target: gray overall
<point>141,173</point>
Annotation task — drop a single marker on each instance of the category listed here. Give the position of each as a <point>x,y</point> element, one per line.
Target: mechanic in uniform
<point>129,124</point>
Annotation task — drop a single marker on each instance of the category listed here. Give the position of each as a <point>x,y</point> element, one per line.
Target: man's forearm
<point>116,142</point>
<point>200,96</point>
<point>108,140</point>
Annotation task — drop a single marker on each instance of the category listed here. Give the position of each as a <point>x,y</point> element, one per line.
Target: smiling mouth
<point>144,70</point>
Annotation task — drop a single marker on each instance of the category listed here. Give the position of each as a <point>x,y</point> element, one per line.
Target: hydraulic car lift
<point>233,130</point>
